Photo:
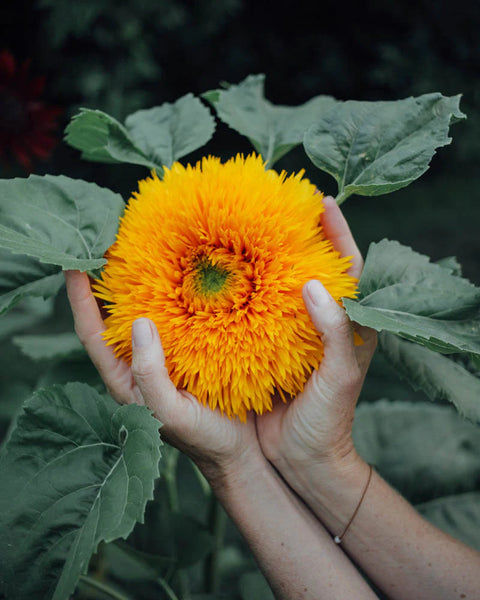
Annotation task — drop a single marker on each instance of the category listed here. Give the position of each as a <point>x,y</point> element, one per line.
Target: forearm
<point>401,552</point>
<point>294,551</point>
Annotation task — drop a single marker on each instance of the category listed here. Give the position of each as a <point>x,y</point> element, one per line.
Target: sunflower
<point>216,255</point>
<point>26,123</point>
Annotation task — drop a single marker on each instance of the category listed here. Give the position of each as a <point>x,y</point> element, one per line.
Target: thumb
<point>339,366</point>
<point>149,370</point>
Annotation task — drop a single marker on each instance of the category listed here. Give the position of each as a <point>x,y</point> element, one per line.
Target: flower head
<point>26,123</point>
<point>217,255</point>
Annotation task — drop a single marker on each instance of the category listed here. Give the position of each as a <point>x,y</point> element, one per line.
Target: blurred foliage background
<point>123,56</point>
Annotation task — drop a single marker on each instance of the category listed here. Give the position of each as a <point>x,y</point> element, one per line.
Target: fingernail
<point>316,292</point>
<point>141,333</point>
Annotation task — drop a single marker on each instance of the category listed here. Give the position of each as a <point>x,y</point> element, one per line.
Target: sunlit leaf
<point>424,450</point>
<point>439,377</point>
<point>154,138</point>
<point>273,130</point>
<point>457,515</point>
<point>58,220</point>
<point>373,148</point>
<point>54,346</point>
<point>403,293</point>
<point>78,469</point>
<point>22,276</point>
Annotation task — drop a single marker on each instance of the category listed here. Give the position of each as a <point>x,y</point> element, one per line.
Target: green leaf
<point>451,263</point>
<point>373,148</point>
<point>424,450</point>
<point>403,293</point>
<point>29,312</point>
<point>125,562</point>
<point>71,369</point>
<point>54,346</point>
<point>154,138</point>
<point>167,132</point>
<point>58,220</point>
<point>457,515</point>
<point>273,130</point>
<point>101,138</point>
<point>253,586</point>
<point>22,276</point>
<point>439,377</point>
<point>79,470</point>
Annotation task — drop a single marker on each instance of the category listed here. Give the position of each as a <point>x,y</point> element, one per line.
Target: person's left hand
<point>315,428</point>
<point>213,441</point>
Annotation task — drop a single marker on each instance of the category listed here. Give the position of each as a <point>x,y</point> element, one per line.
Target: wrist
<point>301,463</point>
<point>332,488</point>
<point>225,473</point>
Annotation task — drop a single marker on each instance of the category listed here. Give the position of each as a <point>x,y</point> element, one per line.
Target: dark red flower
<point>26,123</point>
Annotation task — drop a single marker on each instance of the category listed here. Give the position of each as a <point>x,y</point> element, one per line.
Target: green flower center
<point>209,278</point>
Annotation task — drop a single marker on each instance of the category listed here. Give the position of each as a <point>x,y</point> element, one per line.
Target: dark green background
<point>122,56</point>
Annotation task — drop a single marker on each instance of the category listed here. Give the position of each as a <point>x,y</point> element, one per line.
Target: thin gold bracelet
<point>338,538</point>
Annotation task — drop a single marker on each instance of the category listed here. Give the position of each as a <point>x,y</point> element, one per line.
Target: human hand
<point>316,427</point>
<point>215,443</point>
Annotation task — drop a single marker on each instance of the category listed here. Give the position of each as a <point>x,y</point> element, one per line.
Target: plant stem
<point>218,521</point>
<point>341,198</point>
<point>170,593</point>
<point>170,476</point>
<point>102,587</point>
<point>206,489</point>
<point>270,149</point>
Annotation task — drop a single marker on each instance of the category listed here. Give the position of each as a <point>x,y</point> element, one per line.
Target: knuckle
<point>340,326</point>
<point>142,367</point>
<point>352,380</point>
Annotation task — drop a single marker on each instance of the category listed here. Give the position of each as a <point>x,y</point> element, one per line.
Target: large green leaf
<point>29,312</point>
<point>403,293</point>
<point>22,276</point>
<point>154,138</point>
<point>273,130</point>
<point>58,220</point>
<point>78,469</point>
<point>167,132</point>
<point>457,515</point>
<point>439,377</point>
<point>424,450</point>
<point>373,148</point>
<point>50,346</point>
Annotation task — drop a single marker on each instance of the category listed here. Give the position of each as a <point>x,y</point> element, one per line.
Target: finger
<point>339,362</point>
<point>337,230</point>
<point>89,327</point>
<point>150,372</point>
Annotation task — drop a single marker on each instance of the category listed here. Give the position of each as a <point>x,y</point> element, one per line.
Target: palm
<point>182,416</point>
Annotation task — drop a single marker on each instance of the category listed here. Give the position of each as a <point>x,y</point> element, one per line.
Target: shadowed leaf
<point>80,470</point>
